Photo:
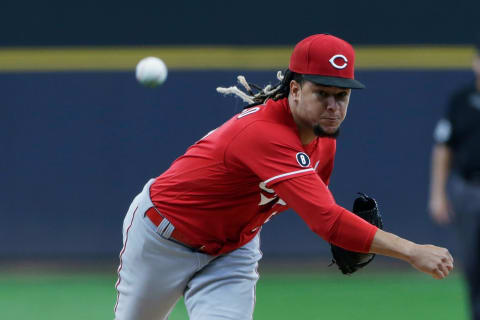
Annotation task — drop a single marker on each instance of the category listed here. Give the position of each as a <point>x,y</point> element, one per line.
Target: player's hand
<point>439,209</point>
<point>430,259</point>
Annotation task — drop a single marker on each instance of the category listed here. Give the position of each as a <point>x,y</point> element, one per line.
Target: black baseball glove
<point>348,261</point>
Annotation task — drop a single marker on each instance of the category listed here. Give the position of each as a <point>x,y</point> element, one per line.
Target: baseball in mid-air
<point>151,72</point>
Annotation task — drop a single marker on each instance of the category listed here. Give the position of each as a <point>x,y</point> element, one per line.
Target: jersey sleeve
<point>445,132</point>
<point>312,200</point>
<point>270,151</point>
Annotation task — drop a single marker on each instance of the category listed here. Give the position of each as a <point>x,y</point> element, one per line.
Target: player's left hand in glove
<point>349,261</point>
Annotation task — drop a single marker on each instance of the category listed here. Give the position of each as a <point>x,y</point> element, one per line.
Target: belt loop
<point>167,233</point>
<point>162,226</point>
<point>165,228</point>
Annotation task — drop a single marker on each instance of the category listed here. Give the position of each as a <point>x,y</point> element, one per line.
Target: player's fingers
<point>438,275</point>
<point>442,270</point>
<point>450,256</point>
<point>446,256</point>
<point>448,263</point>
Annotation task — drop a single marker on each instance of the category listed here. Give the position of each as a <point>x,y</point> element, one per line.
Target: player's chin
<point>331,131</point>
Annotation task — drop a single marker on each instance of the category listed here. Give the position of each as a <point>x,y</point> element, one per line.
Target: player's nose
<point>330,103</point>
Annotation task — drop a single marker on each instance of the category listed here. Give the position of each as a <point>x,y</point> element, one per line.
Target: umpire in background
<point>456,159</point>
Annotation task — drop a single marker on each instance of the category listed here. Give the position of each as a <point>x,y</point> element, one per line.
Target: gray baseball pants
<point>155,272</point>
<point>465,199</point>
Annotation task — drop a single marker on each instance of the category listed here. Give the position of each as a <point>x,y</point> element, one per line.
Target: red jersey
<point>224,188</point>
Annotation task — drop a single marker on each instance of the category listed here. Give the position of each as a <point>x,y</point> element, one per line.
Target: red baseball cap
<point>325,59</point>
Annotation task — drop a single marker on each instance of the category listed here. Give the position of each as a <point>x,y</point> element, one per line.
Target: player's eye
<point>322,94</point>
<point>341,95</point>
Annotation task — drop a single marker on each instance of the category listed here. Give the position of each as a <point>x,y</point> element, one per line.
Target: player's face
<point>318,108</point>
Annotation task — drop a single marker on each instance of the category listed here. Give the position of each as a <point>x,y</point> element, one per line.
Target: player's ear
<point>294,88</point>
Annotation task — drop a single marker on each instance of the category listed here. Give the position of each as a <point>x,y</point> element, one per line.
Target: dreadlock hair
<point>256,95</point>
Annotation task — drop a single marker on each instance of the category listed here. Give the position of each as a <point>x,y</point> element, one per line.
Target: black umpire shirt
<point>460,130</point>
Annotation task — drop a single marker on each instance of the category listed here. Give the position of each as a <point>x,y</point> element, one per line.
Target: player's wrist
<point>409,252</point>
<point>389,244</point>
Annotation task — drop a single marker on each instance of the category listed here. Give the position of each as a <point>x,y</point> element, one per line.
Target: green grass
<point>383,296</point>
<point>365,296</point>
<point>38,297</point>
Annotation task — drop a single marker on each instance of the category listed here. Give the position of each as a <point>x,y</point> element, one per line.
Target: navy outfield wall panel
<point>219,22</point>
<point>77,147</point>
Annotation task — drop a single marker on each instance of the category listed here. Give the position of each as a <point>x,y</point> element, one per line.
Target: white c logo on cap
<point>341,56</point>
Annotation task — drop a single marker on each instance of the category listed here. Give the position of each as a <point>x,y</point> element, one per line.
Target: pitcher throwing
<point>194,230</point>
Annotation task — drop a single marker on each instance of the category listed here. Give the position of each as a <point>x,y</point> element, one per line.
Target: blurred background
<point>80,137</point>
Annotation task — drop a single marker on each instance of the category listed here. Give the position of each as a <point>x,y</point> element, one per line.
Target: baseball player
<point>194,230</point>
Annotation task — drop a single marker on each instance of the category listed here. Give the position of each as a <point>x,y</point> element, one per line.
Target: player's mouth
<point>330,122</point>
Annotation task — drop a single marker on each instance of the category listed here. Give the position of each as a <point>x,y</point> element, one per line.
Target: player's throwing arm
<point>433,260</point>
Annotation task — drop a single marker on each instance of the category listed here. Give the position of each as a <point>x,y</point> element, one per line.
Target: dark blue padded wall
<point>216,22</point>
<point>77,147</point>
